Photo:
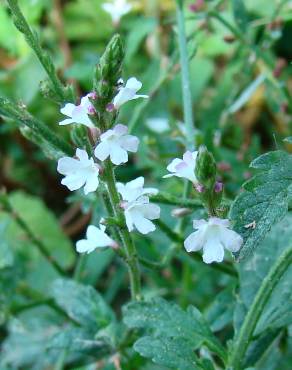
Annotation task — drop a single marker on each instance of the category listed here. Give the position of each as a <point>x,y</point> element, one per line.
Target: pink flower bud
<point>92,95</point>
<point>218,187</point>
<point>91,110</point>
<point>110,107</point>
<point>197,6</point>
<point>200,188</point>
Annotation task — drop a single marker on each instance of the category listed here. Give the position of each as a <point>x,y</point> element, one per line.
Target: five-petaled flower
<point>79,172</point>
<point>79,113</point>
<point>117,9</point>
<point>138,210</point>
<point>95,238</point>
<point>128,92</point>
<point>184,167</point>
<point>115,143</point>
<point>213,236</point>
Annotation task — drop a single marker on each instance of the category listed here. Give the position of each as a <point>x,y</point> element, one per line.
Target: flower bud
<point>205,168</point>
<point>181,212</point>
<point>108,71</point>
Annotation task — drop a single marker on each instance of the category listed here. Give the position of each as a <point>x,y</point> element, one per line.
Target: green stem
<point>184,61</point>
<point>130,250</point>
<point>33,41</point>
<point>36,241</point>
<point>166,198</point>
<point>251,319</point>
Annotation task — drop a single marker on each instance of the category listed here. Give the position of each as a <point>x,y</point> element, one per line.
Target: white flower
<point>79,172</point>
<point>115,143</point>
<point>95,238</point>
<point>158,124</point>
<point>79,113</point>
<point>117,9</point>
<point>213,236</point>
<point>134,189</point>
<point>138,214</point>
<point>138,210</point>
<point>184,167</point>
<point>128,92</point>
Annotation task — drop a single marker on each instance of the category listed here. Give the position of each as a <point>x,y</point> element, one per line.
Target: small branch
<point>256,309</point>
<point>22,116</point>
<point>33,41</point>
<point>166,198</point>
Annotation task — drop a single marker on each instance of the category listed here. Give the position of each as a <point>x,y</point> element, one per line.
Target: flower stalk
<point>259,303</point>
<point>184,61</point>
<point>61,93</point>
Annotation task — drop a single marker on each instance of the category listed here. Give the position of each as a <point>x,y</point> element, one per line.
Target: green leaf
<point>83,304</point>
<point>278,311</point>
<point>174,334</point>
<point>264,200</point>
<point>240,14</point>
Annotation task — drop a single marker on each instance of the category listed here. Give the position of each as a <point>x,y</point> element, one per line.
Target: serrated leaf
<point>172,329</point>
<point>278,311</point>
<point>264,200</point>
<point>83,304</point>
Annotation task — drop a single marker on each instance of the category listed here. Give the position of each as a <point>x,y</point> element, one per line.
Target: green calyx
<point>108,72</point>
<point>206,169</point>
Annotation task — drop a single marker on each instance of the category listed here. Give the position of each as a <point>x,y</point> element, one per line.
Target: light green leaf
<point>174,334</point>
<point>41,220</point>
<point>264,200</point>
<point>83,304</point>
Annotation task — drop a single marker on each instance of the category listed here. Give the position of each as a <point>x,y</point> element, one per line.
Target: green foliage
<point>264,200</point>
<point>173,334</point>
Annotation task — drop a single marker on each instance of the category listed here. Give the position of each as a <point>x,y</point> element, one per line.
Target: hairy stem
<point>166,198</point>
<point>251,319</point>
<point>33,41</point>
<point>130,250</point>
<point>184,61</point>
<point>21,116</point>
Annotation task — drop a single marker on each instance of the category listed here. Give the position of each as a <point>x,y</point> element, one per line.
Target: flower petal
<point>66,121</point>
<point>141,223</point>
<point>130,143</point>
<point>213,250</point>
<point>82,154</point>
<point>230,239</point>
<point>118,155</point>
<point>195,241</point>
<point>68,109</point>
<point>67,165</point>
<point>120,129</point>
<point>92,183</point>
<point>133,84</point>
<point>73,182</point>
<point>102,151</point>
<point>85,246</point>
<point>151,211</point>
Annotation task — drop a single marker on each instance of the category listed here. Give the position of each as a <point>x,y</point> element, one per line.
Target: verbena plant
<point>54,316</point>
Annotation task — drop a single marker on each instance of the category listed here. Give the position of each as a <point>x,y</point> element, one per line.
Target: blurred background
<point>241,81</point>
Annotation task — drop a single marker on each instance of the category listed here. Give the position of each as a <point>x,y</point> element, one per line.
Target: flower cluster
<point>212,236</point>
<point>114,144</point>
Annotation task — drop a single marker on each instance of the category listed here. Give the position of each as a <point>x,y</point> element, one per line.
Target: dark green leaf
<point>278,311</point>
<point>83,304</point>
<point>172,329</point>
<point>240,14</point>
<point>264,200</point>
